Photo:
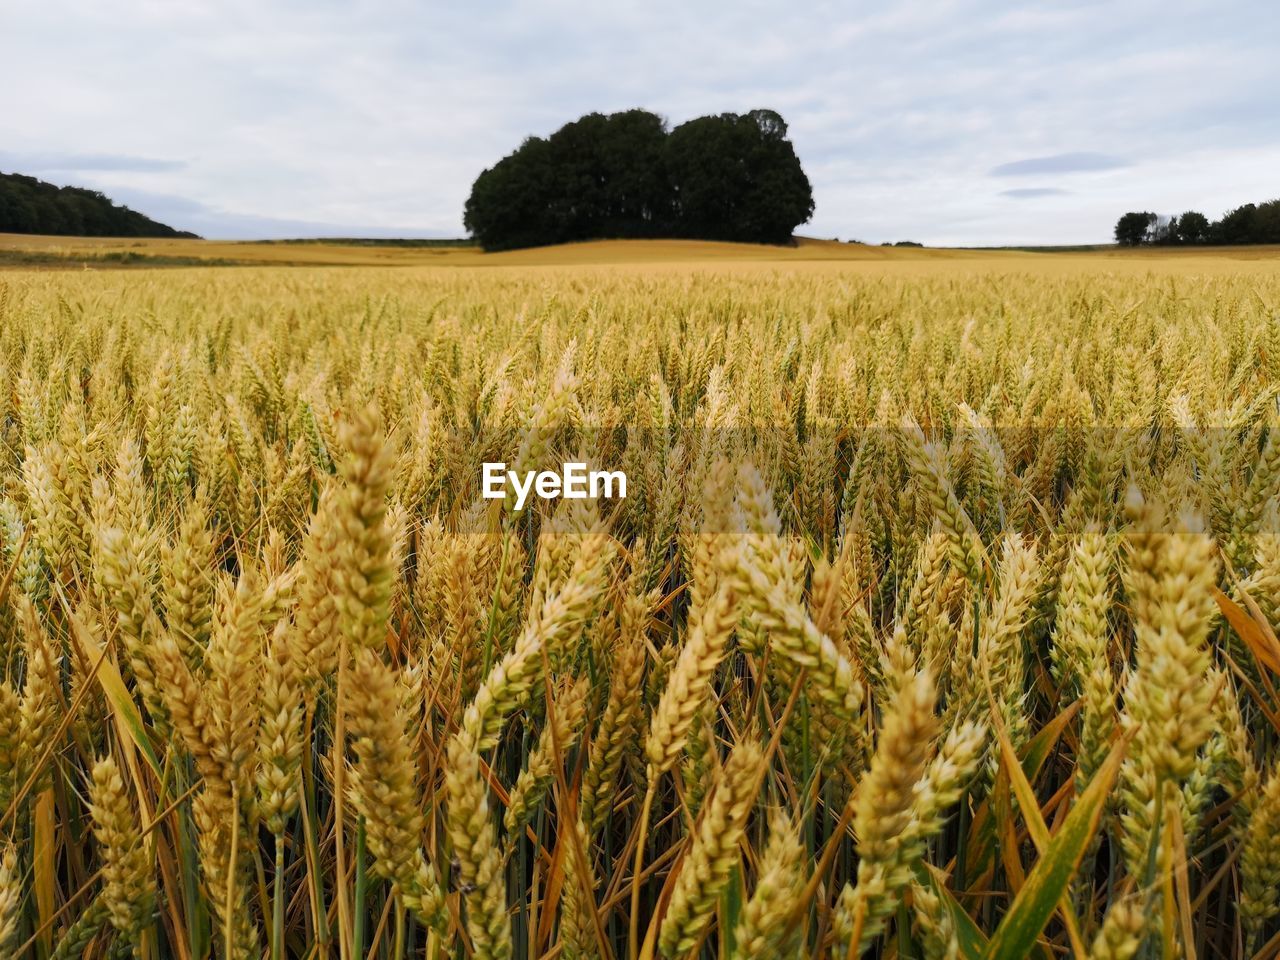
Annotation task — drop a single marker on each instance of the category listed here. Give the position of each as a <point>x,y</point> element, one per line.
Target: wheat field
<point>937,621</point>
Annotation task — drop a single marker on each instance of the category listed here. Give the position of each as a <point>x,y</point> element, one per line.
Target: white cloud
<point>1060,163</point>
<point>375,115</point>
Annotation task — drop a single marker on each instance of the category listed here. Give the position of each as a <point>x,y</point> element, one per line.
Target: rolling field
<point>936,622</point>
<point>24,251</point>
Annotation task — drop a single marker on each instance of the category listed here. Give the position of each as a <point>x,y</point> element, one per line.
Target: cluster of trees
<point>1251,223</point>
<point>28,205</point>
<point>726,177</point>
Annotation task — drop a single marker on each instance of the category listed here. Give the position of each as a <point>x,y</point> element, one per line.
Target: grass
<point>938,621</point>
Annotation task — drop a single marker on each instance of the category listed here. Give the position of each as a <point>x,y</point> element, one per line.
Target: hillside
<point>27,251</point>
<point>28,205</point>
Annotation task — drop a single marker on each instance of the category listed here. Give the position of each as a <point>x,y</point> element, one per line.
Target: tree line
<point>729,177</point>
<point>28,205</point>
<point>1251,223</point>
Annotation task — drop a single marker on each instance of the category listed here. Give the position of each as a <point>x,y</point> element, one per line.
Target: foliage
<point>726,177</point>
<point>1193,227</point>
<point>1248,224</point>
<point>28,205</point>
<point>1134,228</point>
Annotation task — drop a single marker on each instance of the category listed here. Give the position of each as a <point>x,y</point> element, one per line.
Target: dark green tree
<point>1238,226</point>
<point>608,178</point>
<point>1134,228</point>
<point>1267,222</point>
<point>737,177</point>
<point>631,154</point>
<point>1193,227</point>
<point>510,203</point>
<point>729,177</point>
<point>28,205</point>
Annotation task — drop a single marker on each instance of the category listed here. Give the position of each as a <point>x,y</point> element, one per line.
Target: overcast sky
<point>968,122</point>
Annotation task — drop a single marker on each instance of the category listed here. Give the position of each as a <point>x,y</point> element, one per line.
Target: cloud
<point>296,115</point>
<point>1030,193</point>
<point>213,223</point>
<point>1060,163</point>
<point>38,162</point>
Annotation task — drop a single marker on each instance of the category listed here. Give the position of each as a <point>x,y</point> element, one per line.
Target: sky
<point>953,122</point>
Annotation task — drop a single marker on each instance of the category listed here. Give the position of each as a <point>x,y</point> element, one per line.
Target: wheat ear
<point>761,577</point>
<point>128,879</point>
<point>708,864</point>
<point>762,932</point>
<point>1260,862</point>
<point>884,811</point>
<point>1121,933</point>
<point>10,899</point>
<point>10,742</point>
<point>382,788</point>
<point>280,731</point>
<point>536,778</point>
<point>690,680</point>
<point>621,720</point>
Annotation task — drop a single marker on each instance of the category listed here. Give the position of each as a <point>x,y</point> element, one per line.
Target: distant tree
<point>737,177</point>
<point>1164,231</point>
<point>1267,222</point>
<point>598,176</point>
<point>1193,227</point>
<point>28,205</point>
<point>510,203</point>
<point>1134,228</point>
<point>1250,223</point>
<point>1238,226</point>
<point>729,177</point>
<point>607,177</point>
<point>639,199</point>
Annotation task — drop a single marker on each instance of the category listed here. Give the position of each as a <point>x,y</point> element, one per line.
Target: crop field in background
<point>937,621</point>
<point>24,250</point>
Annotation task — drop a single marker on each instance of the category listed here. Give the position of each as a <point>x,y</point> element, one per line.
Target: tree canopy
<point>725,177</point>
<point>1250,223</point>
<point>1133,228</point>
<point>28,205</point>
